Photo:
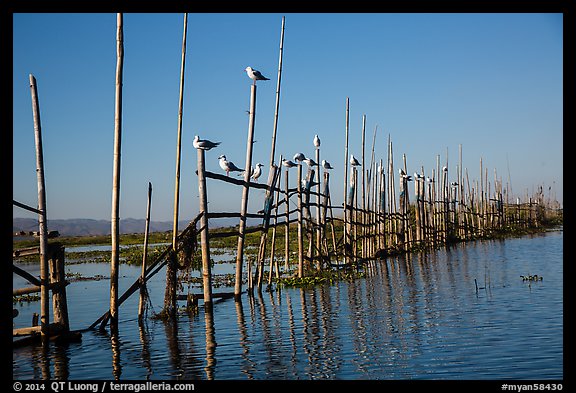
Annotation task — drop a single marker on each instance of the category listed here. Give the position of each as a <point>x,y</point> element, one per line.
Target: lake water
<point>412,317</point>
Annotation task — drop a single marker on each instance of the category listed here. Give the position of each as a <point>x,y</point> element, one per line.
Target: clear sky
<point>492,83</point>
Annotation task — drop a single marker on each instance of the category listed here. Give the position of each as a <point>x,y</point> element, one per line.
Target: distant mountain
<point>87,227</point>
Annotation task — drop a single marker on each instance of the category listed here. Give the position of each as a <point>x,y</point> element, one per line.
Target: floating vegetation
<point>27,298</point>
<point>320,278</point>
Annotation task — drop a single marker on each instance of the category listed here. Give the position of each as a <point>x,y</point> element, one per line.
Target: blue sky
<point>492,83</point>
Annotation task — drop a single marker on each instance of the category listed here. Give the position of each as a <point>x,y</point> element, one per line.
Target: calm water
<point>413,317</point>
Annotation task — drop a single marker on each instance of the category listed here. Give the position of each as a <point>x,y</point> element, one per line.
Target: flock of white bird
<point>256,172</point>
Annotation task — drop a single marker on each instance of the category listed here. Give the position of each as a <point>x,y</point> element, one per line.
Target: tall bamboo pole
<point>141,302</point>
<point>245,192</point>
<point>363,215</point>
<point>318,211</point>
<point>44,289</point>
<point>115,257</point>
<point>273,149</point>
<point>170,293</point>
<point>345,228</point>
<point>300,232</point>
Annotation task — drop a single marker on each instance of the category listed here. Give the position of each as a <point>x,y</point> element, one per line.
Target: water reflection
<point>412,317</point>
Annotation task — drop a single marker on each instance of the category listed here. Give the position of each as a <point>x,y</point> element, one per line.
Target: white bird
<point>255,74</point>
<point>454,184</point>
<point>310,162</point>
<point>228,166</point>
<point>404,175</point>
<point>445,168</point>
<point>288,163</point>
<point>353,160</point>
<point>429,179</point>
<point>257,171</point>
<point>418,176</point>
<point>326,165</point>
<point>299,157</point>
<point>316,141</point>
<point>203,144</point>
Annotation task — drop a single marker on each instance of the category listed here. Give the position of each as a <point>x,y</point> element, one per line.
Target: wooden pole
<point>318,210</point>
<point>300,234</point>
<point>204,236</point>
<point>273,149</point>
<point>171,268</point>
<point>42,224</point>
<point>142,302</point>
<point>115,230</point>
<point>345,228</point>
<point>363,215</point>
<point>245,191</point>
<point>287,229</point>
<point>273,262</point>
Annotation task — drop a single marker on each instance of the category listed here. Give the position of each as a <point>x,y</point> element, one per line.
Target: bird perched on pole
<point>316,141</point>
<point>404,175</point>
<point>288,163</point>
<point>299,157</point>
<point>257,172</point>
<point>203,144</point>
<point>353,160</point>
<point>326,165</point>
<point>255,75</point>
<point>310,162</point>
<point>228,166</point>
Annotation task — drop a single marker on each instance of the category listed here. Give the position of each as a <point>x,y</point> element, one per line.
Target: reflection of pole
<point>44,289</point>
<point>244,207</point>
<point>204,238</point>
<point>142,303</point>
<point>115,230</point>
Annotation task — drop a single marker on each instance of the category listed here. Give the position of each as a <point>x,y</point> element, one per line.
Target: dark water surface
<point>412,317</point>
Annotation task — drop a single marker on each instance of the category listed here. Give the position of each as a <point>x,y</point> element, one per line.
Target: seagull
<point>326,165</point>
<point>255,74</point>
<point>316,141</point>
<point>445,168</point>
<point>299,157</point>
<point>203,144</point>
<point>404,175</point>
<point>228,166</point>
<point>454,184</point>
<point>310,162</point>
<point>418,176</point>
<point>288,163</point>
<point>429,179</point>
<point>257,171</point>
<point>353,160</point>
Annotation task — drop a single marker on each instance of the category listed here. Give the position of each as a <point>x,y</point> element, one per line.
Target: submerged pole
<point>115,230</point>
<point>142,303</point>
<point>44,289</point>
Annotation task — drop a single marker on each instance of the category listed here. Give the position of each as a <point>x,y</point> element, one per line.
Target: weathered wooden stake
<point>115,228</point>
<point>245,191</point>
<point>204,236</point>
<point>346,215</point>
<point>300,234</point>
<point>44,288</point>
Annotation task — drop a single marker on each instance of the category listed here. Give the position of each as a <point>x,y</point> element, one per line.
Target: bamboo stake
<point>346,215</point>
<point>273,149</point>
<point>273,262</point>
<point>141,303</point>
<point>42,224</point>
<point>363,214</point>
<point>115,257</point>
<point>287,229</point>
<point>204,236</point>
<point>300,234</point>
<point>245,192</point>
<point>318,210</point>
<point>170,292</point>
